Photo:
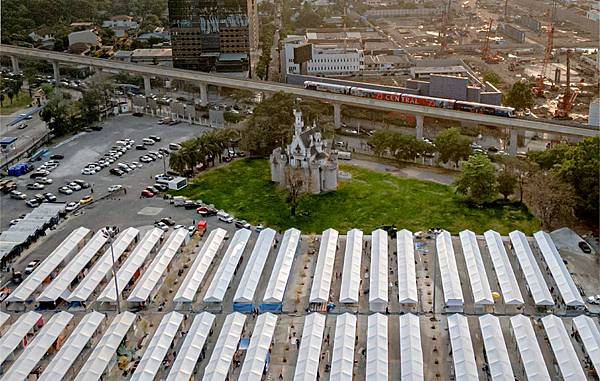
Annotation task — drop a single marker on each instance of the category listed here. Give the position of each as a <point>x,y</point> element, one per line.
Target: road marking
<point>150,211</point>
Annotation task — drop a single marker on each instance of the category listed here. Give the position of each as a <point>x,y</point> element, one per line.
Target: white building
<point>593,15</point>
<point>120,24</point>
<point>327,59</point>
<point>594,115</point>
<point>308,154</point>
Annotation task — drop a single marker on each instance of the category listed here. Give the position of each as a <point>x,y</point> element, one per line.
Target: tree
<point>453,146</point>
<point>406,147</point>
<point>62,115</point>
<point>93,99</point>
<point>492,78</point>
<point>519,168</point>
<point>10,95</point>
<point>380,142</point>
<point>506,183</point>
<point>580,168</point>
<point>295,188</point>
<point>477,182</point>
<point>1,100</point>
<point>549,158</point>
<point>519,96</point>
<point>550,199</point>
<point>30,73</point>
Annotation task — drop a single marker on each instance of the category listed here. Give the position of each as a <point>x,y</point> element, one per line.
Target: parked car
<point>147,194</point>
<point>50,197</point>
<point>74,186</point>
<point>39,173</point>
<point>71,206</point>
<point>152,189</point>
<point>174,146</point>
<point>57,157</point>
<point>205,211</point>
<point>161,187</point>
<point>116,172</point>
<point>148,141</point>
<point>65,190</point>
<point>32,203</point>
<point>225,219</point>
<point>86,200</point>
<point>155,138</point>
<point>35,186</point>
<point>167,221</point>
<point>82,184</point>
<point>44,180</point>
<point>242,224</point>
<point>15,221</point>
<point>145,159</point>
<point>115,188</point>
<point>18,195</point>
<point>141,147</point>
<point>585,247</point>
<point>161,225</point>
<point>31,266</point>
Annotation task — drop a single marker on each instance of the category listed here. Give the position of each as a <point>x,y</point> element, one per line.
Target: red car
<point>147,194</point>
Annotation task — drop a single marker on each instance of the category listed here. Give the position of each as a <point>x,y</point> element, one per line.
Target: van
<point>148,142</point>
<point>223,214</point>
<point>343,155</point>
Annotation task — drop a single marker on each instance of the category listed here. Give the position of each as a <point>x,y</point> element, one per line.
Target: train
<point>450,104</point>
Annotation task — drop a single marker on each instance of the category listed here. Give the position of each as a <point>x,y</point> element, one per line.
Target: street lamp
<point>110,234</point>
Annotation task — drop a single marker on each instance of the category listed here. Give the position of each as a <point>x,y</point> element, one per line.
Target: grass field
<point>18,103</point>
<point>370,200</point>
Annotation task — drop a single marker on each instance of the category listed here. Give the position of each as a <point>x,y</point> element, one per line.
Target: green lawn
<point>369,200</point>
<point>18,103</point>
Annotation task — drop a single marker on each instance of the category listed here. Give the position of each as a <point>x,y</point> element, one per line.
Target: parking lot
<point>87,147</point>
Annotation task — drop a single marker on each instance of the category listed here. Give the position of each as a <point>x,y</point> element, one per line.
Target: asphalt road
<point>88,147</point>
<point>35,129</point>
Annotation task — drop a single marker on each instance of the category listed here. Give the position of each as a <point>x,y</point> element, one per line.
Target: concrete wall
<point>512,32</point>
<point>530,23</point>
<point>473,94</point>
<point>297,79</point>
<point>493,98</point>
<point>448,87</point>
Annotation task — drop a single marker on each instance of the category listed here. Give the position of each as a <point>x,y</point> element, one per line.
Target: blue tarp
<point>274,308</point>
<point>245,308</point>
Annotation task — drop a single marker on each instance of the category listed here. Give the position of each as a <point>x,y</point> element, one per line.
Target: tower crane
<point>538,90</point>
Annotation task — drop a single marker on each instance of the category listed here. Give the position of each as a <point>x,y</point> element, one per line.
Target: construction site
<point>551,45</point>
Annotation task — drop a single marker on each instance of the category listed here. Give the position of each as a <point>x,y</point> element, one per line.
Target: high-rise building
<point>209,35</point>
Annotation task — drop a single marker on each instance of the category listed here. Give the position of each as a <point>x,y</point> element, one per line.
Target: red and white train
<point>451,104</point>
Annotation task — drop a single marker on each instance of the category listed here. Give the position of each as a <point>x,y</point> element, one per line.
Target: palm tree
<point>177,162</point>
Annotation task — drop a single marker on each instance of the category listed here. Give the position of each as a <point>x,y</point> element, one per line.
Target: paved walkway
<point>411,171</point>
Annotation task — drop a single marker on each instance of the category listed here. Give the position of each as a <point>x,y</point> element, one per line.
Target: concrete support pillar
<point>203,94</point>
<point>147,86</point>
<point>514,139</point>
<point>337,115</point>
<point>419,126</point>
<point>15,64</point>
<point>56,70</point>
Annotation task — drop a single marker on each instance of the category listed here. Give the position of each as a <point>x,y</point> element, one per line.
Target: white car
<point>137,164</point>
<point>74,186</point>
<point>71,206</point>
<point>162,226</point>
<point>114,188</point>
<point>31,266</point>
<point>87,171</point>
<point>15,221</point>
<point>65,190</point>
<point>227,219</point>
<point>44,180</point>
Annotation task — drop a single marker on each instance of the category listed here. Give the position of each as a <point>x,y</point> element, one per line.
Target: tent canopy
<point>529,349</point>
<point>321,285</point>
<point>307,365</point>
<point>283,264</point>
<point>377,348</point>
<point>504,272</point>
<point>342,360</point>
<point>225,347</point>
<point>258,350</point>
<point>465,367</point>
<point>256,263</point>
<point>407,280</point>
<point>349,290</point>
<point>448,270</point>
<point>480,285</point>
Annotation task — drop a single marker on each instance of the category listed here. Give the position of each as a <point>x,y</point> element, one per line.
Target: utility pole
<point>111,233</point>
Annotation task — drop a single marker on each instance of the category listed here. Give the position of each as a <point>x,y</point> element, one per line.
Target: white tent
<point>60,284</point>
<point>93,368</point>
<point>258,349</point>
<point>155,271</point>
<point>3,318</point>
<point>131,265</point>
<point>453,296</point>
<point>158,347</point>
<point>319,293</point>
<point>307,364</point>
<point>189,287</point>
<point>407,279</point>
<point>529,349</point>
<point>504,272</point>
<point>71,349</point>
<point>37,348</point>
<point>220,283</point>
<point>480,285</point>
<point>590,336</point>
<point>251,276</point>
<point>566,357</point>
<point>225,347</point>
<point>465,367</point>
<point>378,285</point>
<point>533,275</point>
<point>82,292</point>
<point>281,270</point>
<point>349,290</point>
<point>185,363</point>
<point>52,261</point>
<point>560,273</point>
<point>377,348</point>
<point>342,360</point>
<point>15,334</point>
<point>411,351</point>
<point>495,349</point>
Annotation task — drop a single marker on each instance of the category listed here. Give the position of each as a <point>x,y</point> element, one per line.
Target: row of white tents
<point>82,265</point>
<point>309,362</point>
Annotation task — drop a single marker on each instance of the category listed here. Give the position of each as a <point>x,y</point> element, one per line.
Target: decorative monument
<point>307,162</point>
